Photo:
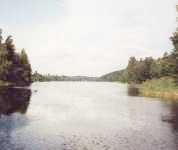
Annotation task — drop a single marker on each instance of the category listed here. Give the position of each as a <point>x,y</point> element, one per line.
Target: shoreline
<point>167,96</point>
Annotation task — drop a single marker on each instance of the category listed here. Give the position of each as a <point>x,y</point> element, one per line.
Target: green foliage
<point>24,57</point>
<point>159,85</point>
<point>168,66</point>
<point>131,69</point>
<point>174,53</point>
<point>4,64</point>
<point>149,68</point>
<point>37,77</point>
<point>1,38</point>
<point>164,88</point>
<point>139,71</point>
<point>155,69</point>
<point>115,76</point>
<point>14,68</point>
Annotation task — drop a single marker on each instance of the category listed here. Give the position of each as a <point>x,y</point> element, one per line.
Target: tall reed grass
<point>164,88</point>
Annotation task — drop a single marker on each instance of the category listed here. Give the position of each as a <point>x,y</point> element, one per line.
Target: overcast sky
<point>88,37</point>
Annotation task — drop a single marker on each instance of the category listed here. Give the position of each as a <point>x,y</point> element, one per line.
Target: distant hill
<point>120,75</point>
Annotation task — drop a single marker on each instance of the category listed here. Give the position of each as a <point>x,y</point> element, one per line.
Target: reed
<point>164,88</point>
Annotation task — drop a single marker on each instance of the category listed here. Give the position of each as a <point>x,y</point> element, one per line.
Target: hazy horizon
<point>88,37</point>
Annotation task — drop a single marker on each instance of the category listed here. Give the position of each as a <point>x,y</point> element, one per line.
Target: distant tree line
<point>15,68</point>
<point>44,78</point>
<point>48,77</point>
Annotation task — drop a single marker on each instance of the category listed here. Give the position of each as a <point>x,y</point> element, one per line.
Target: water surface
<point>85,116</point>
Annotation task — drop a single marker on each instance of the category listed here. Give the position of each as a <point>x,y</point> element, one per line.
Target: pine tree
<point>27,71</point>
<point>4,64</point>
<point>174,54</point>
<point>14,68</point>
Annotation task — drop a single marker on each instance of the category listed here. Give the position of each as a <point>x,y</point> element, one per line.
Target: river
<point>85,116</point>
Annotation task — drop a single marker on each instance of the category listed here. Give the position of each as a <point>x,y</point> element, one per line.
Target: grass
<point>3,83</point>
<point>164,88</point>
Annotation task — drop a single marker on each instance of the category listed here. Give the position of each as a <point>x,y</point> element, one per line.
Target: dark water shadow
<point>132,90</point>
<point>14,100</point>
<point>14,103</point>
<point>174,116</point>
<point>172,119</point>
<point>170,116</point>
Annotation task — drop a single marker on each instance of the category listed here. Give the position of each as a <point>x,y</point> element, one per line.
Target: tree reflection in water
<point>13,104</point>
<point>171,117</point>
<point>14,100</point>
<point>174,121</point>
<point>132,90</point>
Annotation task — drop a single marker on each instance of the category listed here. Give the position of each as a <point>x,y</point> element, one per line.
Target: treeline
<point>15,68</point>
<point>149,68</point>
<point>43,78</point>
<point>138,71</point>
<point>46,78</point>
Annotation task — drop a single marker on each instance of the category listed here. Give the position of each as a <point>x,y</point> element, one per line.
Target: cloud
<point>90,37</point>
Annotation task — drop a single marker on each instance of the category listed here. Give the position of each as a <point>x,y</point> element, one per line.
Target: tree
<point>4,64</point>
<point>174,53</point>
<point>10,47</point>
<point>131,69</point>
<point>155,69</point>
<point>14,68</point>
<point>139,71</point>
<point>1,36</point>
<point>24,58</point>
<point>25,65</point>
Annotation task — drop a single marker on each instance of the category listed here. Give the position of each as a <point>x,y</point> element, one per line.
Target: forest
<point>138,71</point>
<point>15,68</point>
<point>167,66</point>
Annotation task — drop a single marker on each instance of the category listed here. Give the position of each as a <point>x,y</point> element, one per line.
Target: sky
<point>88,37</point>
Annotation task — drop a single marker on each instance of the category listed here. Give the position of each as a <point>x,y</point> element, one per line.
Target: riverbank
<point>164,88</point>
